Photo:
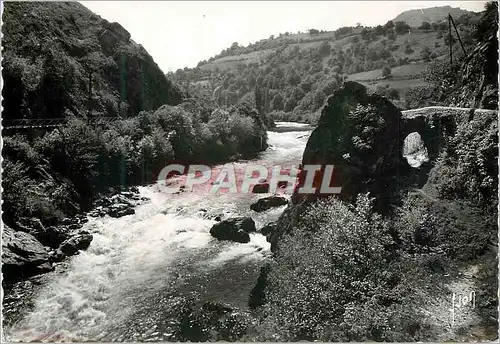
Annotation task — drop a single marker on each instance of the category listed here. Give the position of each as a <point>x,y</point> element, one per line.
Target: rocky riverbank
<point>31,248</point>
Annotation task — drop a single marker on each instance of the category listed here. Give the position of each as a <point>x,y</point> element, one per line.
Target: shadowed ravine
<point>117,288</point>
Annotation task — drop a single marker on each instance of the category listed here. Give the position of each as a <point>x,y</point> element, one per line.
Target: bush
<point>386,71</point>
<point>469,165</point>
<point>425,26</point>
<point>333,268</point>
<point>421,96</point>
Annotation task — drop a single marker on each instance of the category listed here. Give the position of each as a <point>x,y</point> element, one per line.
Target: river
<point>115,289</point>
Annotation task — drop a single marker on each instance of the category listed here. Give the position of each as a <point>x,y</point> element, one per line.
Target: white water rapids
<point>112,291</point>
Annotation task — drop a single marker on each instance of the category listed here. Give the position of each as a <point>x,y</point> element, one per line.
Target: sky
<point>179,34</point>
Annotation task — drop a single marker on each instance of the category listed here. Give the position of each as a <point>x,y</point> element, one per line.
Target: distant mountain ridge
<point>414,18</point>
<point>298,71</point>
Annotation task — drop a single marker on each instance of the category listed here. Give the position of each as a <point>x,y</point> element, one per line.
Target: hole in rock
<point>414,150</point>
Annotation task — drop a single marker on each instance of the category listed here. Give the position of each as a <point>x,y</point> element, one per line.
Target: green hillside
<point>50,50</point>
<point>298,71</point>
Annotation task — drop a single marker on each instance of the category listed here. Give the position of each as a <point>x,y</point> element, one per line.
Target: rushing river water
<point>113,290</point>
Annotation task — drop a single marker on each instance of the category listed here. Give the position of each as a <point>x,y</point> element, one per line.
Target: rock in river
<point>22,255</point>
<point>266,203</point>
<point>235,229</point>
<point>268,230</point>
<point>120,209</point>
<point>79,242</point>
<point>261,188</point>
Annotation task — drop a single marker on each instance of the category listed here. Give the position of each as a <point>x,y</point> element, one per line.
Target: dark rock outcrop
<point>51,236</point>
<point>358,133</point>
<point>22,255</point>
<point>120,209</point>
<point>261,188</point>
<point>118,30</point>
<point>56,256</point>
<point>235,229</point>
<point>267,203</point>
<point>257,296</point>
<point>268,229</point>
<point>78,242</point>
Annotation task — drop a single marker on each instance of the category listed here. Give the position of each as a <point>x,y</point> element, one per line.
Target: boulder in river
<point>261,188</point>
<point>56,256</point>
<point>120,209</point>
<point>78,242</point>
<point>267,203</point>
<point>235,229</point>
<point>268,230</point>
<point>22,255</point>
<point>51,236</point>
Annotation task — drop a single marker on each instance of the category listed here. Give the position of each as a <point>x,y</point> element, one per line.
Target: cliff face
<point>358,133</point>
<point>53,52</point>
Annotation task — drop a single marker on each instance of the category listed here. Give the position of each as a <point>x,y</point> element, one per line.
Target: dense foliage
<point>346,284</point>
<point>54,53</point>
<point>468,165</point>
<point>300,71</point>
<point>65,169</point>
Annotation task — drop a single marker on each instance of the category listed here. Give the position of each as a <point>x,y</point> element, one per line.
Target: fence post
<point>449,39</point>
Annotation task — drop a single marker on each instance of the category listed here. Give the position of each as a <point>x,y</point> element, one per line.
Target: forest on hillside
<point>297,72</point>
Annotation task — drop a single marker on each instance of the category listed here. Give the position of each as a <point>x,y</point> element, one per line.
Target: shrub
<point>408,50</point>
<point>421,96</point>
<point>386,71</point>
<point>328,272</point>
<point>469,165</point>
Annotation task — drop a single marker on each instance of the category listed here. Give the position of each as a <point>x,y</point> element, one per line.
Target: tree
<point>277,103</point>
<point>442,26</point>
<point>389,25</point>
<point>380,30</point>
<point>426,54</point>
<point>319,98</point>
<point>435,26</point>
<point>401,27</point>
<point>386,71</point>
<point>373,56</point>
<point>313,31</point>
<point>329,87</point>
<point>365,34</point>
<point>324,49</point>
<point>425,26</point>
<point>392,93</point>
<point>489,22</point>
<point>293,79</point>
<point>290,104</point>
